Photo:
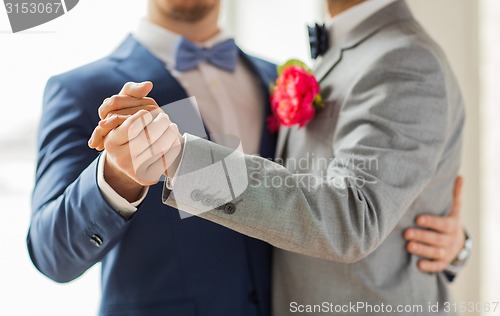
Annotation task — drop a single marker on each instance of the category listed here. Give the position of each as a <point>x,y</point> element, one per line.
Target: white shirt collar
<point>341,25</point>
<point>162,43</point>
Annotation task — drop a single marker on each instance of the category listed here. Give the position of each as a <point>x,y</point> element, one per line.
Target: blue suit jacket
<point>155,263</point>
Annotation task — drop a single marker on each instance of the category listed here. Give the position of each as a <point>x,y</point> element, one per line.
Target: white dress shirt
<point>230,103</point>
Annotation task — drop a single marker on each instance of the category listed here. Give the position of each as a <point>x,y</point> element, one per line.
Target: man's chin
<point>191,14</point>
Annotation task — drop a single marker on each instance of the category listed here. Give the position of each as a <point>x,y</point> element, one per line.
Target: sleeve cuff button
<point>230,208</point>
<point>96,240</point>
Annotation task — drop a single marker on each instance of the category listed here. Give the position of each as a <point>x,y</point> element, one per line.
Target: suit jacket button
<point>196,195</point>
<point>96,240</point>
<point>230,208</point>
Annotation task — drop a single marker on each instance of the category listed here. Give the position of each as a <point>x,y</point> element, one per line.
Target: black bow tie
<point>319,40</point>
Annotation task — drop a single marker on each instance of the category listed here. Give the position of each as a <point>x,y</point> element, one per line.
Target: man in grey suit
<point>391,131</point>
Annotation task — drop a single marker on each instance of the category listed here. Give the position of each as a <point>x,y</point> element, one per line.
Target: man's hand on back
<point>438,239</point>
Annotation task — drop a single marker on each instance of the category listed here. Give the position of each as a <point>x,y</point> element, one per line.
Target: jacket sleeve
<point>72,226</point>
<point>388,143</point>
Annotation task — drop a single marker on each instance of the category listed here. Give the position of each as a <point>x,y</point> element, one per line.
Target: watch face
<point>464,254</point>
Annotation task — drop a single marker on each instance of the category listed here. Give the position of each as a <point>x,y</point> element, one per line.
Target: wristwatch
<point>457,264</point>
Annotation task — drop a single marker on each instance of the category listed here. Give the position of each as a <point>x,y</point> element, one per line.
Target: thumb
<point>457,197</point>
<point>137,90</point>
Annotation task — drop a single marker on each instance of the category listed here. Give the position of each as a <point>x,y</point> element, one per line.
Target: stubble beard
<point>190,15</point>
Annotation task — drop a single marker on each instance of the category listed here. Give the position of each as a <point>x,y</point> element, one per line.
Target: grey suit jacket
<point>385,148</point>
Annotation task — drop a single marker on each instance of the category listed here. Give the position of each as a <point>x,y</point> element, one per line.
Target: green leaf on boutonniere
<point>293,62</point>
<point>318,101</point>
<point>272,86</point>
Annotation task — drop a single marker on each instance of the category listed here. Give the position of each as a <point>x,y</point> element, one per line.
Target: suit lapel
<point>328,62</point>
<point>266,75</point>
<point>389,15</point>
<point>280,146</point>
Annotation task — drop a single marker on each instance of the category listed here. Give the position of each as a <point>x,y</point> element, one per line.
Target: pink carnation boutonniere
<point>295,96</point>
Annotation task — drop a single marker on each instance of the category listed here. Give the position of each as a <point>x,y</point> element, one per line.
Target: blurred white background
<point>271,29</point>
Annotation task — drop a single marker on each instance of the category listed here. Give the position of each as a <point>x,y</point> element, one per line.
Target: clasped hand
<point>140,140</point>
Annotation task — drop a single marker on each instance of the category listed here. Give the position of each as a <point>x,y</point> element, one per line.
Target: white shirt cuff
<point>121,205</point>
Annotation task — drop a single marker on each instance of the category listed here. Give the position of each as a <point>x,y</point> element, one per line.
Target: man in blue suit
<point>153,263</point>
<point>87,210</point>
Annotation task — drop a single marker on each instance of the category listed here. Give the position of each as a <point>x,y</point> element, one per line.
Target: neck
<point>197,32</point>
<point>335,7</point>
